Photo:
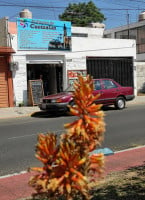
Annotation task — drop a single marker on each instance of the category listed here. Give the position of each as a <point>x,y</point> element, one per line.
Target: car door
<point>110,91</point>
<point>98,89</point>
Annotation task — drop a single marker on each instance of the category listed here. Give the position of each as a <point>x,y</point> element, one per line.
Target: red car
<point>111,93</point>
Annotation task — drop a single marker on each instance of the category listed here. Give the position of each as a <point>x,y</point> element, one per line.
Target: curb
<point>30,113</point>
<point>116,152</point>
<point>12,117</point>
<point>19,116</point>
<point>129,149</point>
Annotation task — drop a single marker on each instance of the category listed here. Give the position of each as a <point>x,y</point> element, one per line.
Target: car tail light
<point>56,100</point>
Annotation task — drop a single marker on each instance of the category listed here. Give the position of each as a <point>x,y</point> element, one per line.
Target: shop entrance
<point>51,75</point>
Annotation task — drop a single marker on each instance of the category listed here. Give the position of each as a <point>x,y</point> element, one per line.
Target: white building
<point>90,53</point>
<point>134,31</point>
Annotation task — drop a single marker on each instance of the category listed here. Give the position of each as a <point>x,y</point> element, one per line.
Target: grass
<point>123,185</point>
<point>126,185</point>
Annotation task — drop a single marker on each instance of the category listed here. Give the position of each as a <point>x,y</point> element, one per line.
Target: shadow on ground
<point>44,114</point>
<point>127,185</point>
<point>124,185</point>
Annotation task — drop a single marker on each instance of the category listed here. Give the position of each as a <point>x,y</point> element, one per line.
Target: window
<point>141,40</point>
<point>136,33</point>
<point>79,35</point>
<point>133,33</point>
<point>109,84</point>
<point>107,36</point>
<point>121,34</point>
<point>141,35</point>
<point>97,85</point>
<point>127,34</point>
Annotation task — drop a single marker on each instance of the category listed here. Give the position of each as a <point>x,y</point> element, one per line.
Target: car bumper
<point>52,107</point>
<point>130,97</point>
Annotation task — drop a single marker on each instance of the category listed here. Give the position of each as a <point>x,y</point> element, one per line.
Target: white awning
<point>45,62</point>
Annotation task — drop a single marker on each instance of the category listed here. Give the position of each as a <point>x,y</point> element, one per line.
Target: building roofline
<point>130,26</point>
<point>6,50</point>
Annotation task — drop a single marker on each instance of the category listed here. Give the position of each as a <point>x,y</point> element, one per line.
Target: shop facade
<point>59,68</point>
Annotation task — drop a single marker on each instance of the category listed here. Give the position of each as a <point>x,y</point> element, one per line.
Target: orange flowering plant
<point>69,169</point>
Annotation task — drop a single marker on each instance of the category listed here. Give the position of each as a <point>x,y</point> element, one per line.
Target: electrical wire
<point>112,14</point>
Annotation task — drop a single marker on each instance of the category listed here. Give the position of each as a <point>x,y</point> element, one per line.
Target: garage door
<point>4,100</point>
<point>118,68</point>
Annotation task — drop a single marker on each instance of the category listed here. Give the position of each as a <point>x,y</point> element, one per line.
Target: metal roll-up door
<point>4,100</point>
<point>118,68</point>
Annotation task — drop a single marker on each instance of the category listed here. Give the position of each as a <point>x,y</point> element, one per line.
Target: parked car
<point>111,93</point>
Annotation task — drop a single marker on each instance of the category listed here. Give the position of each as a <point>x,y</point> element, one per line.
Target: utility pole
<point>127,24</point>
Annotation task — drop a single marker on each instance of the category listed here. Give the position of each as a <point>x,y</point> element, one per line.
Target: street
<point>124,129</point>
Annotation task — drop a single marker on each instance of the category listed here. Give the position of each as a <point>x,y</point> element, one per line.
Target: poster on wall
<point>73,75</point>
<point>38,34</point>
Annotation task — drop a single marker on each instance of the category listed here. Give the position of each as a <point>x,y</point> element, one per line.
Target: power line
<point>60,7</point>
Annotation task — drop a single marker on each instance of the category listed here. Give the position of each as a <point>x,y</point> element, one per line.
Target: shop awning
<point>45,62</point>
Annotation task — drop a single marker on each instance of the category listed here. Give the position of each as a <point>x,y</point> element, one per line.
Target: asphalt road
<point>124,128</point>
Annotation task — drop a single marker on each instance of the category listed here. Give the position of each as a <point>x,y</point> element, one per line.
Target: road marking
<point>17,137</point>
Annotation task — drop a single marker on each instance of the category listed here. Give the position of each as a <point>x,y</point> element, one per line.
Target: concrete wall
<point>20,81</point>
<point>91,32</point>
<point>4,32</point>
<point>104,47</point>
<point>140,68</point>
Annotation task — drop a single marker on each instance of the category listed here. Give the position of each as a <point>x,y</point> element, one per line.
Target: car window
<point>97,85</point>
<point>108,84</point>
<point>70,88</point>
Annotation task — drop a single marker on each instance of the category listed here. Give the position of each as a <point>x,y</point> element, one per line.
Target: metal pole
<point>128,24</point>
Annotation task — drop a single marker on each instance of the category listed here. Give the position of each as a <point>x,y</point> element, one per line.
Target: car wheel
<point>120,103</point>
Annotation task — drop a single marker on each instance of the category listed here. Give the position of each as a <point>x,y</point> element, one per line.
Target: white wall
<point>20,75</point>
<point>140,76</point>
<point>92,32</point>
<point>20,81</point>
<point>104,47</point>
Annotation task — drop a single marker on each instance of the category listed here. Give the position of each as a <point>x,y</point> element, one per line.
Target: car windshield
<point>70,88</point>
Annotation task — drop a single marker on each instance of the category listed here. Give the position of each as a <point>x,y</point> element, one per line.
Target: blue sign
<point>38,34</point>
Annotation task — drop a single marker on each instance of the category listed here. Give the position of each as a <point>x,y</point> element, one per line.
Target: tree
<point>82,14</point>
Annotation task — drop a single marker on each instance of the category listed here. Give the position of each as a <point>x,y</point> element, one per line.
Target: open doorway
<point>51,75</point>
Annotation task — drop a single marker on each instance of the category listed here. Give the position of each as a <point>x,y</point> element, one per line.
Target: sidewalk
<point>14,112</point>
<point>16,187</point>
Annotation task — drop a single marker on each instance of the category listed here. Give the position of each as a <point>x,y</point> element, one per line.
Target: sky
<point>116,12</point>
